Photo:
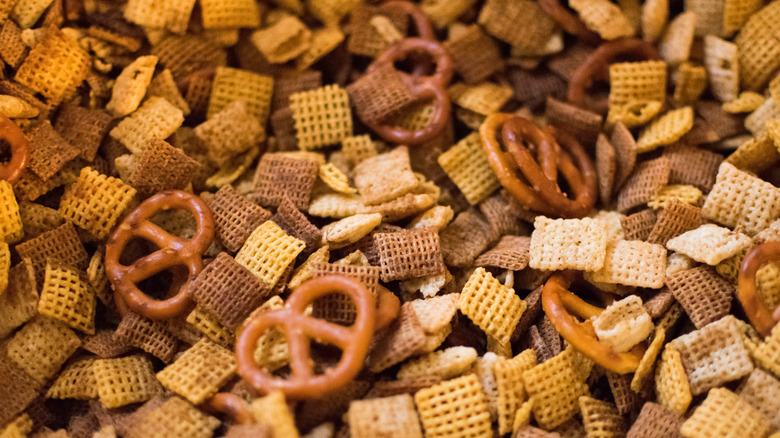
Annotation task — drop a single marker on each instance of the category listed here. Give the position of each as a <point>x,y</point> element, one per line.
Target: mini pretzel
<point>558,302</point>
<point>173,252</point>
<point>569,22</point>
<point>596,65</point>
<point>542,193</point>
<point>20,149</point>
<point>420,87</point>
<point>232,405</point>
<point>762,318</point>
<point>300,329</point>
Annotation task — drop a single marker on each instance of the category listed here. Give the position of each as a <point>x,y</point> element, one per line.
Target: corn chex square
<point>200,371</point>
<point>558,244</point>
<point>454,408</point>
<point>709,244</point>
<point>492,306</point>
<point>632,263</point>
<point>268,251</point>
<point>468,167</point>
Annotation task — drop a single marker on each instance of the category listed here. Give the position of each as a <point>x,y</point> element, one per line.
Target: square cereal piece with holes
<point>187,54</point>
<point>604,18</point>
<point>500,17</point>
<point>10,219</point>
<point>156,118</point>
<point>284,40</point>
<point>231,85</point>
<point>647,179</point>
<point>720,60</point>
<point>637,81</point>
<point>676,218</point>
<point>162,167</point>
<point>230,13</point>
<point>322,116</point>
<point>83,128</point>
<point>767,353</point>
<point>655,421</point>
<point>725,414</point>
<point>228,290</point>
<point>286,86</point>
<point>709,243</point>
<point>511,391</point>
<point>41,347</point>
<point>12,47</point>
<point>623,324</point>
<point>268,251</point>
<point>200,371</point>
<point>387,416</point>
<point>49,151</point>
<point>55,67</point>
<point>409,254</point>
<point>511,253</point>
<point>632,263</point>
<point>475,55</point>
<point>380,94</point>
<point>125,380</point>
<point>19,299</point>
<point>76,381</point>
<point>279,176</point>
<point>385,177</point>
<point>703,293</point>
<point>174,418</point>
<point>209,325</point>
<point>163,85</point>
<point>454,408</point>
<point>337,307</point>
<point>714,355</point>
<point>273,410</point>
<point>230,132</point>
<point>365,39</point>
<point>67,296</point>
<point>601,418</point>
<point>61,243</point>
<point>741,199</point>
<point>671,383</point>
<point>95,202</point>
<point>468,167</point>
<point>296,224</point>
<point>555,387</point>
<point>445,364</point>
<point>492,306</point>
<point>693,166</point>
<point>17,390</point>
<point>235,217</point>
<point>396,342</point>
<point>583,124</point>
<point>762,391</point>
<point>558,244</point>
<point>483,99</point>
<point>151,14</point>
<point>150,336</point>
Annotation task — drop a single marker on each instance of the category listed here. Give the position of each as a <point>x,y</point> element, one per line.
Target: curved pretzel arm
<point>763,319</point>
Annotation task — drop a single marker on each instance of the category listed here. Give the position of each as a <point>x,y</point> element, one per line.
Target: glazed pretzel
<point>763,319</point>
<point>232,405</point>
<point>173,252</point>
<point>556,152</point>
<point>559,304</point>
<point>300,329</point>
<point>20,150</point>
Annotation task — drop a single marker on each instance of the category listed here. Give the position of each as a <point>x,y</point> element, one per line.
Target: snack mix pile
<point>377,219</point>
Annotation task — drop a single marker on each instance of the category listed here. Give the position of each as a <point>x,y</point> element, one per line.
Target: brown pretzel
<point>20,149</point>
<point>232,405</point>
<point>173,252</point>
<point>300,329</point>
<point>596,65</point>
<point>420,87</point>
<point>556,152</point>
<point>558,302</point>
<point>569,22</point>
<point>762,318</point>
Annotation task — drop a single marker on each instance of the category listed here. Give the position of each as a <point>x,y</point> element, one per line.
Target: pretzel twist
<point>762,318</point>
<point>20,150</point>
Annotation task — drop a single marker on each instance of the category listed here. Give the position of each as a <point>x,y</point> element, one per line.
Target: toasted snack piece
<point>724,413</point>
<point>387,416</point>
<point>125,380</point>
<point>568,244</point>
<point>454,405</point>
<point>623,324</point>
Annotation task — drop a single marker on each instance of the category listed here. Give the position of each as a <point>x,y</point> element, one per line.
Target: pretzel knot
<point>19,150</point>
<point>558,302</point>
<point>762,318</point>
<point>232,405</point>
<point>420,87</point>
<point>536,184</point>
<point>300,329</point>
<point>173,252</point>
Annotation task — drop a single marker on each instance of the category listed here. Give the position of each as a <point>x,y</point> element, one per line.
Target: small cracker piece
<point>666,129</point>
<point>713,355</point>
<point>231,85</point>
<point>322,116</point>
<point>385,177</point>
<point>454,408</point>
<point>125,380</point>
<point>209,325</point>
<point>762,391</point>
<point>689,83</point>
<point>156,118</point>
<point>130,86</point>
<point>279,176</point>
<point>41,347</point>
<point>636,81</point>
<point>435,313</point>
<point>746,102</point>
<point>283,41</point>
<point>445,364</point>
<point>467,166</point>
<point>671,383</point>
<point>200,371</point>
<point>173,16</point>
<point>703,293</point>
<point>500,17</point>
<point>555,387</point>
<point>675,44</point>
<point>475,54</point>
<point>387,416</point>
<point>76,381</point>
<point>268,251</point>
<point>511,391</point>
<point>623,324</point>
<point>721,61</point>
<point>67,296</point>
<point>600,418</point>
<point>632,263</point>
<point>175,417</point>
<point>493,307</point>
<point>409,254</point>
<point>61,243</point>
<point>726,414</point>
<point>235,217</point>
<point>11,227</point>
<point>558,244</point>
<point>349,230</point>
<point>709,243</point>
<point>335,179</point>
<point>163,85</point>
<point>604,18</point>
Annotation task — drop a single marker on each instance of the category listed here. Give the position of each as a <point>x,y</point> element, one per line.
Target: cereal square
<point>200,371</point>
<point>387,416</point>
<point>468,167</point>
<point>454,408</point>
<point>709,243</point>
<point>495,308</point>
<point>385,177</point>
<point>633,263</point>
<point>558,244</point>
<point>41,347</point>
<point>725,414</point>
<point>268,252</point>
<point>67,296</point>
<point>322,116</point>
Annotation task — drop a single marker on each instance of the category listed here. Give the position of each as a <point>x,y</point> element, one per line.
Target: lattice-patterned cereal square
<point>713,355</point>
<point>725,414</point>
<point>187,54</point>
<point>600,418</point>
<point>208,324</point>
<point>163,85</point>
<point>284,40</point>
<point>675,219</point>
<point>568,244</point>
<point>388,416</point>
<point>49,152</point>
<point>475,54</point>
<point>83,128</point>
<point>322,116</point>
<point>67,296</point>
<point>689,83</point>
<point>637,81</point>
<point>162,167</point>
<point>231,85</point>
<point>274,411</point>
<point>230,132</point>
<point>684,193</point>
<point>638,226</point>
<point>396,342</point>
<point>379,94</point>
<point>279,176</point>
<point>174,418</point>
<point>95,202</point>
<point>335,179</point>
<point>755,154</point>
<point>125,380</point>
<point>55,67</point>
<point>156,118</point>
<point>671,383</point>
<point>76,381</point>
<point>230,13</point>
<point>17,390</point>
<point>666,129</point>
<point>200,371</point>
<point>407,254</point>
<point>61,243</point>
<point>483,99</point>
<point>705,295</point>
<point>603,17</point>
<point>736,12</point>
<point>709,243</point>
<point>20,427</point>
<point>340,308</point>
<point>656,421</point>
<point>720,59</point>
<point>511,252</point>
<point>19,299</point>
<point>555,387</point>
<point>358,148</point>
<point>740,199</point>
<point>767,353</point>
<point>746,102</point>
<point>10,220</point>
<point>500,18</point>
<point>173,15</point>
<point>41,347</point>
<point>445,364</point>
<point>623,324</point>
<point>455,408</point>
<point>5,266</point>
<point>268,252</point>
<point>511,392</point>
<point>762,391</point>
<point>694,166</point>
<point>633,263</point>
<point>467,166</point>
<point>385,177</point>
<point>495,308</point>
<point>148,335</point>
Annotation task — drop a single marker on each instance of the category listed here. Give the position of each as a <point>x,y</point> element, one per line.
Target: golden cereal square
<point>10,219</point>
<point>268,251</point>
<point>725,414</point>
<point>174,418</point>
<point>76,381</point>
<point>511,391</point>
<point>231,85</point>
<point>495,308</point>
<point>156,118</point>
<point>67,296</point>
<point>387,416</point>
<point>455,408</point>
<point>633,263</point>
<point>199,373</point>
<point>41,347</point>
<point>637,81</point>
<point>555,387</point>
<point>95,202</point>
<point>601,419</point>
<point>468,167</point>
<point>558,244</point>
<point>666,129</point>
<point>671,383</point>
<point>322,116</point>
<point>229,13</point>
<point>125,380</point>
<point>273,411</point>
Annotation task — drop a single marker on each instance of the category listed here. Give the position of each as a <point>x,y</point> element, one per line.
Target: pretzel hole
<point>177,222</point>
<point>5,151</point>
<point>336,307</point>
<point>158,285</point>
<point>413,59</point>
<point>136,249</point>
